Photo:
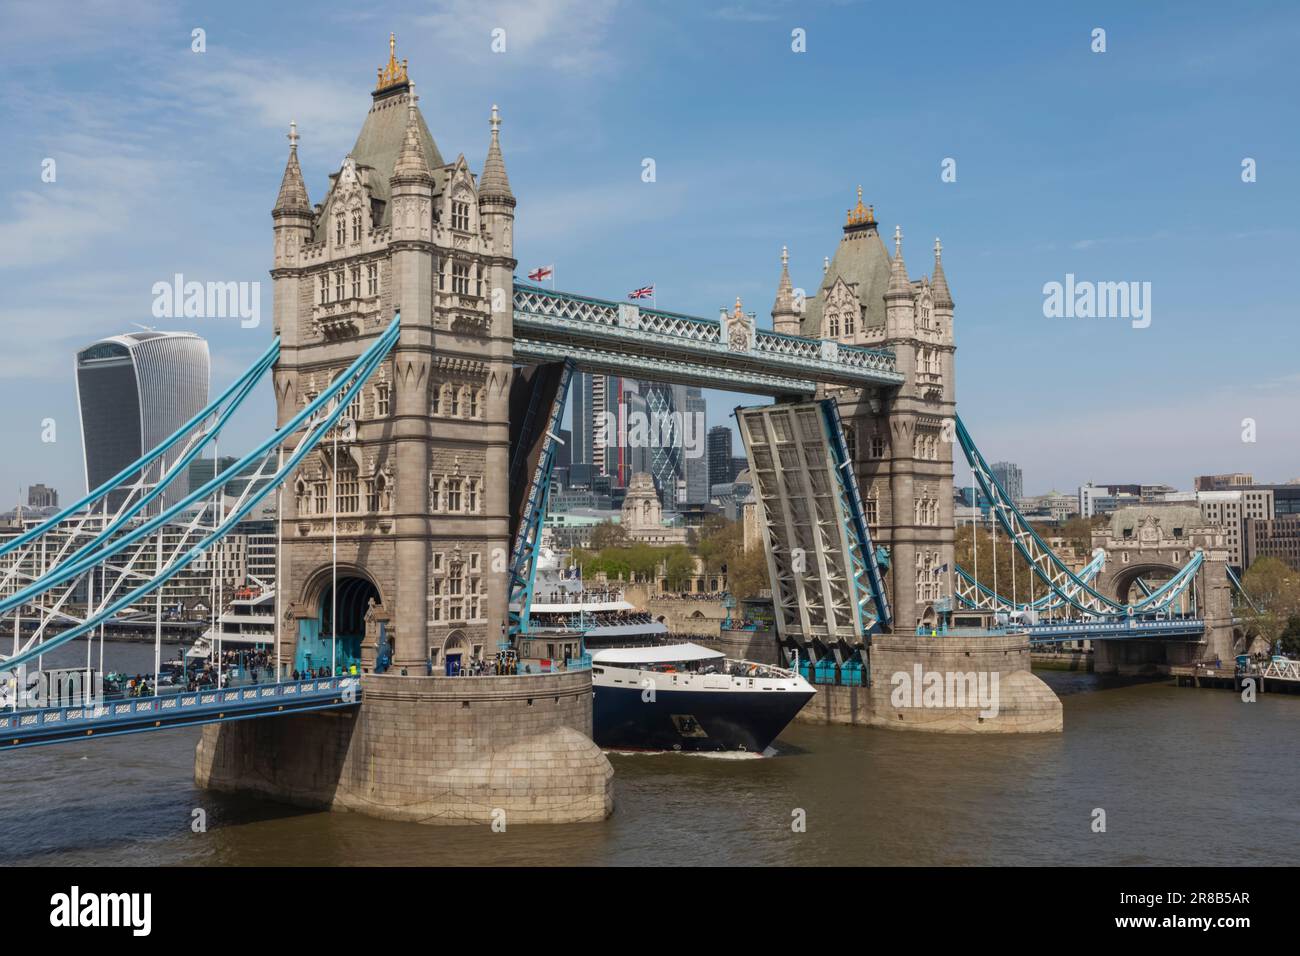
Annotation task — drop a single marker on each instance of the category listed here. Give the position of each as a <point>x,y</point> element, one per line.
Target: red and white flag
<point>645,292</point>
<point>542,272</point>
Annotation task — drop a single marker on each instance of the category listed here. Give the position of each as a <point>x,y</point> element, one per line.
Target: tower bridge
<point>418,392</point>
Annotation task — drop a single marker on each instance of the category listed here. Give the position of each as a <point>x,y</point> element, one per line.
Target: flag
<point>542,272</point>
<point>645,292</point>
<point>941,569</point>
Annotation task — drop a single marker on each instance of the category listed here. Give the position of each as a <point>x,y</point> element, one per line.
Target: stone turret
<point>293,218</point>
<point>497,207</point>
<point>785,318</point>
<point>899,312</point>
<point>494,184</point>
<point>939,283</point>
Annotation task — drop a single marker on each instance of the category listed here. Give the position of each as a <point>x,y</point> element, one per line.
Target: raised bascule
<point>419,389</point>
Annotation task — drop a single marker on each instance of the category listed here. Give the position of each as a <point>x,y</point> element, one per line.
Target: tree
<point>1289,642</point>
<point>679,568</point>
<point>1274,587</point>
<point>607,534</point>
<point>747,574</point>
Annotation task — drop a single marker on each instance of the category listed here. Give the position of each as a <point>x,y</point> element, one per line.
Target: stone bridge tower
<point>422,526</point>
<point>901,439</point>
<point>1149,546</point>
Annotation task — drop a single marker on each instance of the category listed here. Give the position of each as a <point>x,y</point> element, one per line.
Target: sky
<point>1117,166</point>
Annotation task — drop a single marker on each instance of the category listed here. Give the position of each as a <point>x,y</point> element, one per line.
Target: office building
<point>134,391</point>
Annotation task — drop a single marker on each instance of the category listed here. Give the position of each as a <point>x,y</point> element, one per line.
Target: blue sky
<point>1119,166</point>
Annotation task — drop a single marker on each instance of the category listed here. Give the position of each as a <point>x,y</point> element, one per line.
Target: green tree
<point>1274,587</point>
<point>1290,638</point>
<point>607,534</point>
<point>747,574</point>
<point>679,568</point>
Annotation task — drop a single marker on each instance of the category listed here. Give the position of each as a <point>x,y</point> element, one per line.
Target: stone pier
<point>440,750</point>
<point>1025,703</point>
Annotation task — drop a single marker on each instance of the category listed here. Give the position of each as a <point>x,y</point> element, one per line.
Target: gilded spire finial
<point>394,73</point>
<point>738,312</point>
<point>938,248</point>
<point>785,257</point>
<point>898,239</point>
<point>860,215</point>
<point>293,136</point>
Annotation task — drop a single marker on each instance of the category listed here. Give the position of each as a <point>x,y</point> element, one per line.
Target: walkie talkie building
<point>134,391</point>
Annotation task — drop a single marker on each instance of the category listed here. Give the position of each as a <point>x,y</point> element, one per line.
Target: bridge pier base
<point>440,750</point>
<point>1147,657</point>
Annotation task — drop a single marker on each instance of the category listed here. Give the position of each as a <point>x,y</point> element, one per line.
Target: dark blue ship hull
<point>692,720</point>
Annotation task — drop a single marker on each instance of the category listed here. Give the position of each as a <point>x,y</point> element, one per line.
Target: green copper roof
<point>380,140</point>
<point>862,260</point>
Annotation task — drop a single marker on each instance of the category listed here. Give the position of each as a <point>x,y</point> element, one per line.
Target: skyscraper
<point>580,402</point>
<point>1008,475</point>
<point>134,391</point>
<point>719,456</point>
<point>695,456</point>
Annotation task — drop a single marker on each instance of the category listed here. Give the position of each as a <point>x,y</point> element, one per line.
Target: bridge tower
<point>420,528</point>
<point>1149,545</point>
<point>900,439</point>
<point>413,494</point>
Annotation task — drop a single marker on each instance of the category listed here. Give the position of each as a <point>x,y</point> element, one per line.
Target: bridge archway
<point>345,596</point>
<point>1124,580</point>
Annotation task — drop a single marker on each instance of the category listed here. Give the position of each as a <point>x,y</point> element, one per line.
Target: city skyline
<point>1062,205</point>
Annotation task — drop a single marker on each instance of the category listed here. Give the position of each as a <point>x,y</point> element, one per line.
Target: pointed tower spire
<point>293,191</point>
<point>494,183</point>
<point>411,161</point>
<point>784,317</point>
<point>939,284</point>
<point>899,287</point>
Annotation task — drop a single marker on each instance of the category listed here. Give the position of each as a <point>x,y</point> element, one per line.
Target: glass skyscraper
<point>133,392</point>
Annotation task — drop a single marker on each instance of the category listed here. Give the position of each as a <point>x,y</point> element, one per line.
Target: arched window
<point>453,396</point>
<point>356,226</point>
<point>444,399</point>
<point>340,230</point>
<point>471,496</point>
<point>475,403</point>
<point>453,495</point>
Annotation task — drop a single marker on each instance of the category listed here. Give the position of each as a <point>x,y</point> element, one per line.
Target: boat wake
<point>710,754</point>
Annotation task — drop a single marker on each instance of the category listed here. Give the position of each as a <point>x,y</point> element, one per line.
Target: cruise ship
<point>247,624</point>
<point>650,693</point>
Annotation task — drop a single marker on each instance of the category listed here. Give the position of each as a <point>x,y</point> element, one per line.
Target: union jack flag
<point>542,272</point>
<point>645,292</point>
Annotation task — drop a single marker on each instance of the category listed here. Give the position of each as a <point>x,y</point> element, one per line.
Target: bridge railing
<point>533,300</point>
<point>94,715</point>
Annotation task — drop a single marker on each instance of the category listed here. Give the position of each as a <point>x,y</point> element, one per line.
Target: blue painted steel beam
<point>857,515</point>
<point>1009,517</point>
<point>34,727</point>
<point>238,390</point>
<point>528,538</point>
<point>1190,628</point>
<point>357,374</point>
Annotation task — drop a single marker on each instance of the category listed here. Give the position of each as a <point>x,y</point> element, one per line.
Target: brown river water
<point>1185,777</point>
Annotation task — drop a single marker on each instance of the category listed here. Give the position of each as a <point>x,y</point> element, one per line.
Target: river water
<point>1184,777</point>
